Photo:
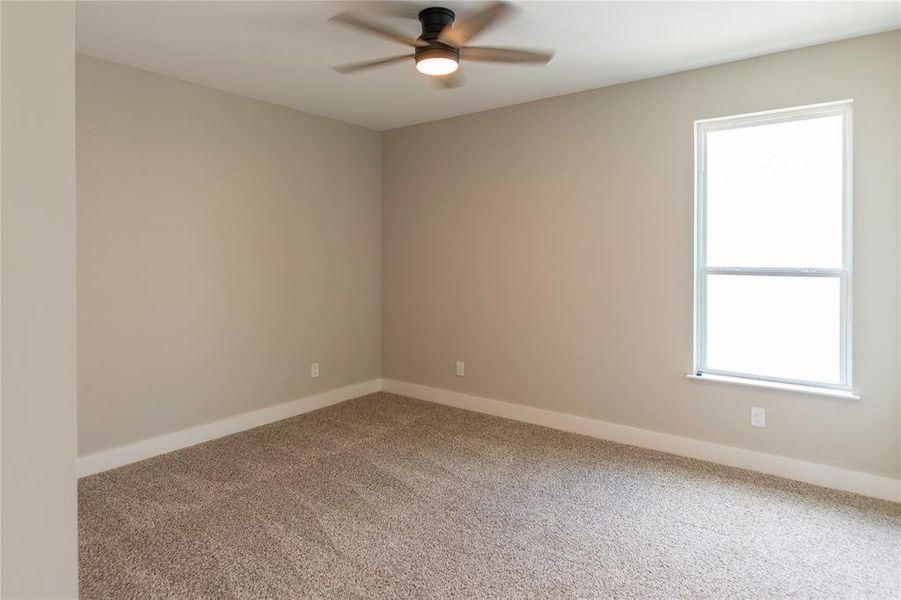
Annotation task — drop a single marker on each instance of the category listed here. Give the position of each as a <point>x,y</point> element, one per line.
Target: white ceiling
<point>282,52</point>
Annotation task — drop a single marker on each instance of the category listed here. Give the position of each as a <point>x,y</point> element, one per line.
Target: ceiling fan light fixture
<point>437,61</point>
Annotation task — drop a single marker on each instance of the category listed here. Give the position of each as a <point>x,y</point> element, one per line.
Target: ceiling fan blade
<point>462,31</point>
<point>370,64</point>
<point>507,55</point>
<point>447,82</point>
<point>364,23</point>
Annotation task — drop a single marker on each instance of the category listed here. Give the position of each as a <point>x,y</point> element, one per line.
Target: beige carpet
<point>385,496</point>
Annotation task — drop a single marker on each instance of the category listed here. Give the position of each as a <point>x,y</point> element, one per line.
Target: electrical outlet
<point>314,370</point>
<point>461,369</point>
<point>758,417</point>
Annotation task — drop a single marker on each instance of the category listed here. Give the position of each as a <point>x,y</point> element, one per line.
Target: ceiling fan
<point>443,42</point>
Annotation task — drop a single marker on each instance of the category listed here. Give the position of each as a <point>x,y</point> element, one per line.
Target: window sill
<point>774,385</point>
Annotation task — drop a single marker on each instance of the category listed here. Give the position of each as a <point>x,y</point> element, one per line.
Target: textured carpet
<point>384,496</point>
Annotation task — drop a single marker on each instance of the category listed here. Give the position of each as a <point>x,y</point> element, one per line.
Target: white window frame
<point>702,270</point>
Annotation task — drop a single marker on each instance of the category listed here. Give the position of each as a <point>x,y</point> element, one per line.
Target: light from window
<point>773,268</point>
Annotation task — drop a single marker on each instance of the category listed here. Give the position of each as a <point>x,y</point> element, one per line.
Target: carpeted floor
<point>384,496</point>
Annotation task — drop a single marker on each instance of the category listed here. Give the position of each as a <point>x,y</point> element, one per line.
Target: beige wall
<point>37,294</point>
<point>549,246</point>
<point>224,244</point>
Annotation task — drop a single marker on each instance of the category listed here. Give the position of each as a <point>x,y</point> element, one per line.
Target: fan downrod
<point>434,20</point>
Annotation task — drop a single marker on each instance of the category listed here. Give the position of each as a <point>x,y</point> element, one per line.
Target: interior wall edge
<point>38,516</point>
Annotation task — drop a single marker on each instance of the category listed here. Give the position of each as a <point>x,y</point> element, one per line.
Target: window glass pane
<point>786,327</point>
<point>774,195</point>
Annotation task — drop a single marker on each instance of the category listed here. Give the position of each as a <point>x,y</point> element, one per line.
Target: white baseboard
<point>866,484</point>
<point>876,486</point>
<point>123,455</point>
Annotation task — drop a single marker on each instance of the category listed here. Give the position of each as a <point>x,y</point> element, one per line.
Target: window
<point>773,247</point>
